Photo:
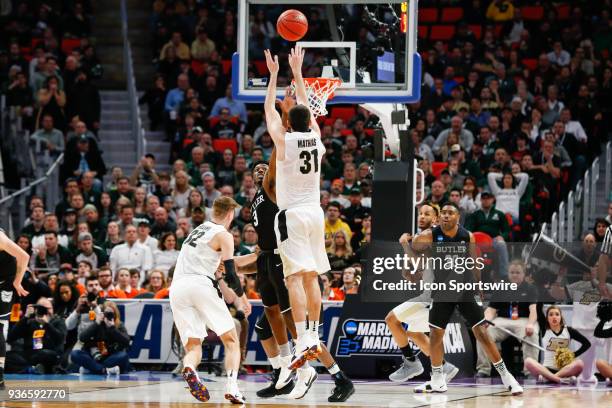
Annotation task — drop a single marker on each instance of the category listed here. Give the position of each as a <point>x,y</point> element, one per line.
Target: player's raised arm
<point>21,258</point>
<point>273,119</point>
<point>296,59</point>
<point>421,242</point>
<point>226,242</point>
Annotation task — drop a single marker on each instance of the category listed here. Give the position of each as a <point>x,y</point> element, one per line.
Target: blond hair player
<point>196,297</point>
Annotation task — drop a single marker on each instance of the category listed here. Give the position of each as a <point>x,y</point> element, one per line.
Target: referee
<point>13,265</point>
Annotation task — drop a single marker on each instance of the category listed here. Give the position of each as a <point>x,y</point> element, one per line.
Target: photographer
<point>105,344</point>
<point>43,336</point>
<point>87,308</point>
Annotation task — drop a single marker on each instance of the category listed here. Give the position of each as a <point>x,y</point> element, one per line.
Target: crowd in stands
<point>513,111</point>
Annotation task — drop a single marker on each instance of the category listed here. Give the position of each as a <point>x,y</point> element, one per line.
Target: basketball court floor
<point>149,389</point>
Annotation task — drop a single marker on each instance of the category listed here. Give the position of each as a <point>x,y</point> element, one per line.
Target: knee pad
<point>262,328</point>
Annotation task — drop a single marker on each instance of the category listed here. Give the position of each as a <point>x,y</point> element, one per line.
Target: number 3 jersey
<point>197,258</point>
<point>298,175</point>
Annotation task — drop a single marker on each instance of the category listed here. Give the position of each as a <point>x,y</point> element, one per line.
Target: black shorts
<point>440,312</point>
<point>271,281</point>
<point>7,298</point>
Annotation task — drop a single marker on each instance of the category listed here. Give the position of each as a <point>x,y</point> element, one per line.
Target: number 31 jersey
<point>197,258</point>
<point>298,177</point>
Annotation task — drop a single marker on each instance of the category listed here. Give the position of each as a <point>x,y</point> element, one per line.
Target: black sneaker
<point>271,391</point>
<point>2,387</point>
<point>343,390</point>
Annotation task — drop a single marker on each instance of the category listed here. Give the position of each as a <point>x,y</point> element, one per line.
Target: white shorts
<point>414,314</point>
<point>300,234</point>
<point>196,306</point>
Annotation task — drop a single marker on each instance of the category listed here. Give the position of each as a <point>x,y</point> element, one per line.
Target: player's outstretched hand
<point>405,238</point>
<point>20,290</point>
<point>271,62</point>
<point>288,101</point>
<point>296,58</point>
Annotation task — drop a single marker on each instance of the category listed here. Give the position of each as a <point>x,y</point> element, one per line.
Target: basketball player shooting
<point>450,238</point>
<point>196,297</point>
<point>13,265</point>
<point>299,226</point>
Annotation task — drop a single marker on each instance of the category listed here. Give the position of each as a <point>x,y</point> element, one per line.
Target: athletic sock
<point>285,349</point>
<point>232,376</point>
<point>333,369</point>
<point>300,327</point>
<point>313,328</point>
<point>500,366</point>
<point>407,352</point>
<point>437,375</point>
<point>275,362</point>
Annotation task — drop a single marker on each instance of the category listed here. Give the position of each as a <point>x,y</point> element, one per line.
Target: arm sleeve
<point>72,320</point>
<point>492,179</point>
<point>584,342</point>
<point>118,335</point>
<point>601,333</point>
<point>523,182</point>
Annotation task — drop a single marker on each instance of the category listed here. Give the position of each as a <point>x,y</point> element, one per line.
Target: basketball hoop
<point>319,90</point>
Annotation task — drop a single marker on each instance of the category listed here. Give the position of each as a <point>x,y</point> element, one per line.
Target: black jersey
<point>263,212</point>
<point>445,249</point>
<point>8,266</point>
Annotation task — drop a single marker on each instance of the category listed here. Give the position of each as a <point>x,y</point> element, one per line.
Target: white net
<point>319,90</point>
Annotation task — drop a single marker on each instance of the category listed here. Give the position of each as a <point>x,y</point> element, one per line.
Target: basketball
<point>292,25</point>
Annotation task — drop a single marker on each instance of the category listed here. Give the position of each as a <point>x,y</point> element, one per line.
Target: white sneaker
<point>408,369</point>
<point>308,347</point>
<point>512,385</point>
<point>305,378</point>
<point>450,371</point>
<point>608,382</point>
<point>113,370</point>
<point>592,380</point>
<point>541,379</point>
<point>233,394</point>
<point>569,380</point>
<point>286,373</point>
<point>430,387</point>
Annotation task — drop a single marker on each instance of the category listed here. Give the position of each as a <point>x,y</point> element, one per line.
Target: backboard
<point>369,44</point>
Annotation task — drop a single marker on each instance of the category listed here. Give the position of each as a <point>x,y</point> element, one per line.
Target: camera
<point>91,297</point>
<point>95,354</point>
<point>109,314</point>
<point>40,310</point>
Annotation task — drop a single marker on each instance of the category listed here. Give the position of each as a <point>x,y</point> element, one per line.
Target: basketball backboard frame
<point>410,91</point>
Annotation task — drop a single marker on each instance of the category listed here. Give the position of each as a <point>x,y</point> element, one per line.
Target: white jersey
<point>551,341</point>
<point>298,176</point>
<point>585,296</point>
<point>197,258</point>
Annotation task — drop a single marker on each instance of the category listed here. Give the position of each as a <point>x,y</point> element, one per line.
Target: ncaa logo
<point>350,327</point>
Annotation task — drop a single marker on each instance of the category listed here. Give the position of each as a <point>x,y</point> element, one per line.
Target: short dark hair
<point>335,204</point>
<point>450,203</point>
<point>299,118</point>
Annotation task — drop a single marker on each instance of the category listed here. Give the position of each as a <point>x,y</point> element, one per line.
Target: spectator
<point>83,159</point>
<point>65,299</point>
<point>509,195</point>
<point>340,252</point>
<point>105,344</point>
<point>236,108</point>
<point>356,212</point>
<point>51,101</point>
<point>518,317</point>
<point>176,42</point>
<point>333,224</point>
<point>599,229</point>
<point>89,252</point>
<point>107,289</point>
<point>144,175</point>
<point>181,191</point>
<point>84,101</point>
<point>52,139</point>
<point>162,223</point>
<point>154,98</point>
<point>113,237</point>
<point>131,254</point>
<point>166,255</point>
<point>51,255</point>
<point>202,47</point>
<point>608,217</point>
<point>123,284</point>
<point>350,284</point>
<point>558,55</point>
<point>157,281</point>
<point>37,221</point>
<point>42,351</point>
<point>492,222</point>
<point>123,190</point>
<point>144,229</point>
